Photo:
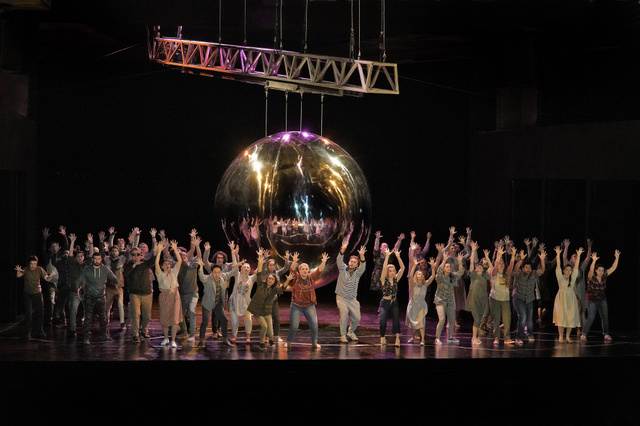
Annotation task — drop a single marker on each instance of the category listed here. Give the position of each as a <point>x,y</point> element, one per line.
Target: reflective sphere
<point>296,192</point>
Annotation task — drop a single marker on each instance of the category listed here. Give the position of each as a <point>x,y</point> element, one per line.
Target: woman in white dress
<point>169,299</point>
<point>417,308</point>
<point>240,299</point>
<point>566,311</point>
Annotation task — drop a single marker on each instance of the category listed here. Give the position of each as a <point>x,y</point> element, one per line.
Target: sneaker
<point>343,339</point>
<point>316,346</point>
<point>453,340</point>
<point>422,343</point>
<point>278,339</point>
<point>583,338</point>
<point>165,342</point>
<point>519,342</point>
<point>509,342</point>
<point>476,342</point>
<point>351,335</point>
<point>437,342</point>
<point>383,341</point>
<point>174,344</point>
<point>607,338</point>
<point>191,339</point>
<point>263,347</point>
<point>496,342</point>
<point>201,344</point>
<point>227,343</point>
<point>123,326</point>
<point>410,340</point>
<point>531,338</point>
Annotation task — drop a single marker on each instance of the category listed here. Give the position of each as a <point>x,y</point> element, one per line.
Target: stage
<point>540,382</point>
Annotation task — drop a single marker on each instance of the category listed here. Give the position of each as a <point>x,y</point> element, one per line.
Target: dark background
<point>513,118</point>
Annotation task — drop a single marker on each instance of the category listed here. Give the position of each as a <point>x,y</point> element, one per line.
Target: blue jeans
<point>295,312</point>
<point>189,302</point>
<point>525,317</point>
<point>600,307</point>
<point>73,301</point>
<point>218,313</point>
<point>386,307</point>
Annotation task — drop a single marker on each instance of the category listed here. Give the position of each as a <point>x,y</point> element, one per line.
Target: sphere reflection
<point>296,192</point>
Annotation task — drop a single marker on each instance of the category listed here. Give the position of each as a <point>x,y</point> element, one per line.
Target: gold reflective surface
<point>296,192</point>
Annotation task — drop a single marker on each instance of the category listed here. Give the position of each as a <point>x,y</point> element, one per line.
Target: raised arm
<point>401,270</point>
<point>160,247</point>
<point>616,254</point>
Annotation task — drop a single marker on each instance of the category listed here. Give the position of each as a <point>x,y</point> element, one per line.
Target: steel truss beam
<point>279,69</point>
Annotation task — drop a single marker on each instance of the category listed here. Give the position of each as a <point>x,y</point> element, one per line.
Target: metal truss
<point>278,69</point>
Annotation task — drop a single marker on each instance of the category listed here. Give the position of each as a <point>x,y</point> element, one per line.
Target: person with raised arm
<point>303,300</point>
<point>347,291</point>
<point>477,299</point>
<point>523,295</point>
<point>389,302</point>
<point>93,280</point>
<point>271,268</point>
<point>595,295</point>
<point>213,299</point>
<point>444,299</point>
<point>261,305</point>
<point>566,311</point>
<point>417,307</point>
<point>499,295</point>
<point>241,297</point>
<point>33,302</point>
<point>169,299</point>
<point>379,250</point>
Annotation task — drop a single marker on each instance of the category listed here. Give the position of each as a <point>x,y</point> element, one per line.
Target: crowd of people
<point>494,285</point>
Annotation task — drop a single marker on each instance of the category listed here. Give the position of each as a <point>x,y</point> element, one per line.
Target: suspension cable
<point>219,21</point>
<point>286,110</point>
<point>359,26</point>
<point>383,34</point>
<point>351,34</point>
<point>245,23</point>
<point>301,93</point>
<point>266,108</point>
<point>306,24</point>
<point>321,112</point>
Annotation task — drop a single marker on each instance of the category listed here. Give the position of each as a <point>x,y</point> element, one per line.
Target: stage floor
<point>451,376</point>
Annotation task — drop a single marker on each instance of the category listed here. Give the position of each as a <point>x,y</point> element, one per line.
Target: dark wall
<point>573,182</point>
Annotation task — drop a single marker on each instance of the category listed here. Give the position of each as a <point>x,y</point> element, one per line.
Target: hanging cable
<point>219,21</point>
<point>266,109</point>
<point>245,23</point>
<point>351,34</point>
<point>306,24</point>
<point>281,21</point>
<point>321,112</point>
<point>276,32</point>
<point>301,93</point>
<point>359,26</point>
<point>383,34</point>
<point>286,110</point>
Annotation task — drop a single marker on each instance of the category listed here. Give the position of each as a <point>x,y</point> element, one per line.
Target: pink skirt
<point>170,308</point>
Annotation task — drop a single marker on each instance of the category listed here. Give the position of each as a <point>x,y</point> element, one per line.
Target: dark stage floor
<point>582,382</point>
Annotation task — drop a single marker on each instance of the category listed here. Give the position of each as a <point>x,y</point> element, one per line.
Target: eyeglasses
<point>135,254</point>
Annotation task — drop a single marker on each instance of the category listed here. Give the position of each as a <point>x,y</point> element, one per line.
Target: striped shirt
<point>347,284</point>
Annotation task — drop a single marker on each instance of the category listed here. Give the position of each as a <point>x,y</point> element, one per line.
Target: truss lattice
<point>278,69</point>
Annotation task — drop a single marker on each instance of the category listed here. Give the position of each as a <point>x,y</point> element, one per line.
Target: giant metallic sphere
<point>296,192</point>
